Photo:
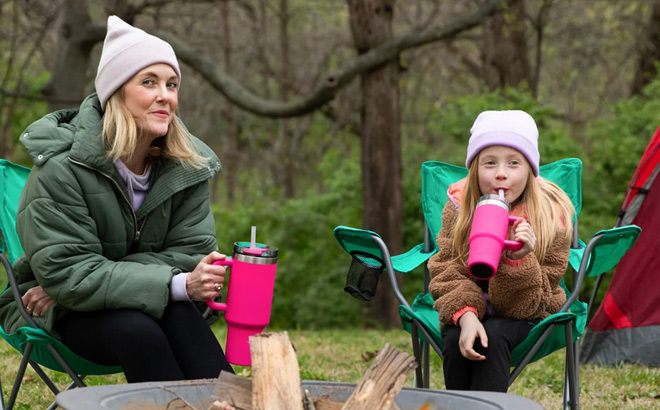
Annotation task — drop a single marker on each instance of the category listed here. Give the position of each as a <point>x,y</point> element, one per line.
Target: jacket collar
<point>80,132</point>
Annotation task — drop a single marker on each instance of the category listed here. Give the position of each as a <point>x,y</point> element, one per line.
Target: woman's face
<point>151,96</point>
<point>504,168</point>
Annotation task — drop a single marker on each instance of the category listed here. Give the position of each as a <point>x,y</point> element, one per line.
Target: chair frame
<point>77,380</point>
<point>585,260</point>
<point>421,349</point>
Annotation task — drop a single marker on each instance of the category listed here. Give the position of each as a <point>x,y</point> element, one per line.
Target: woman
<point>116,223</point>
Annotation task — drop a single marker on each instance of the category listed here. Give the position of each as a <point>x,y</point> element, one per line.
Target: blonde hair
<point>545,205</point>
<point>121,132</point>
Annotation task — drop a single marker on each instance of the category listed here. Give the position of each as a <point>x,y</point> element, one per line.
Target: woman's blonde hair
<point>545,205</point>
<point>121,132</point>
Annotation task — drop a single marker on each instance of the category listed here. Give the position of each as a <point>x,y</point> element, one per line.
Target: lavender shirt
<point>137,187</point>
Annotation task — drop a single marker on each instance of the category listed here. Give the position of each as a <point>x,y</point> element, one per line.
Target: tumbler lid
<point>259,250</point>
<point>494,199</point>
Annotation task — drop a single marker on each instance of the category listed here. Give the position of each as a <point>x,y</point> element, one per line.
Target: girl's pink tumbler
<point>490,228</point>
<point>249,297</point>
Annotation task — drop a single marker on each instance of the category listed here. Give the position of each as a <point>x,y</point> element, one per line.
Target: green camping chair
<point>370,257</point>
<point>37,347</point>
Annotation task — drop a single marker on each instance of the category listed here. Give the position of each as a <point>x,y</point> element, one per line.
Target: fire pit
<point>197,393</point>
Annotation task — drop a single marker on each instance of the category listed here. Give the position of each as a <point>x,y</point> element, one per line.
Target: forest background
<point>322,111</point>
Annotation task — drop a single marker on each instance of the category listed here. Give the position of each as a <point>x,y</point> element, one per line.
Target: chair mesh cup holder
<point>363,274</point>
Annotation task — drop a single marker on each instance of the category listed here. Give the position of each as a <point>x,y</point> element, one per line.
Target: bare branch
<point>324,93</point>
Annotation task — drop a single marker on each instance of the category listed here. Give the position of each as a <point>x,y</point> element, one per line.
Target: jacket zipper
<point>138,230</point>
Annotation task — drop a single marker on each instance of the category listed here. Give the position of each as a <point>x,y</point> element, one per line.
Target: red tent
<point>626,327</point>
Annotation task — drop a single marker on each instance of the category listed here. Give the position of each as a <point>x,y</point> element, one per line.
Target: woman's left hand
<point>37,301</point>
<point>522,231</point>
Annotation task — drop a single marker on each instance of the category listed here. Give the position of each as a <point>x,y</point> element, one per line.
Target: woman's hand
<point>205,282</point>
<point>522,231</point>
<point>37,301</point>
<point>471,329</point>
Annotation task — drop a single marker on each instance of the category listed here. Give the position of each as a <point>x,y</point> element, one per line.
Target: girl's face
<point>151,96</point>
<point>504,168</point>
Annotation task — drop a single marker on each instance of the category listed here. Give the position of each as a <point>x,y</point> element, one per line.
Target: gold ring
<point>218,287</point>
<point>29,310</point>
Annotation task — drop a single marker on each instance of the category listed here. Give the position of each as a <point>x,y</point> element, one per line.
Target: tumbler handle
<point>512,245</point>
<point>211,303</point>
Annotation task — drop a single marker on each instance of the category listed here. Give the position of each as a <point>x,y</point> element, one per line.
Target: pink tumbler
<point>249,297</point>
<point>490,228</point>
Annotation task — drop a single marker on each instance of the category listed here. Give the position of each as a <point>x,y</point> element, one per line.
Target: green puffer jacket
<point>83,242</point>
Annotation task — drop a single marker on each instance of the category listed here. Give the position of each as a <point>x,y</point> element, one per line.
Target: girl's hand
<point>471,329</point>
<point>37,301</point>
<point>205,282</point>
<point>522,231</point>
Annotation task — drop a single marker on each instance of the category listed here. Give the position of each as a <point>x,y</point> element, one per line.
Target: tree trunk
<point>229,131</point>
<point>505,51</point>
<point>68,84</point>
<point>371,26</point>
<point>648,52</point>
<point>285,135</point>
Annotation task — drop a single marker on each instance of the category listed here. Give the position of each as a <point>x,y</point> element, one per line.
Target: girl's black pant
<point>491,374</point>
<point>178,346</point>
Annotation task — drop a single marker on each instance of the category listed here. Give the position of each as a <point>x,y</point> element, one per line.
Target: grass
<point>345,355</point>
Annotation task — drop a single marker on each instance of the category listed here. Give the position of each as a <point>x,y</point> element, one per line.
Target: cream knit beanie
<point>126,51</point>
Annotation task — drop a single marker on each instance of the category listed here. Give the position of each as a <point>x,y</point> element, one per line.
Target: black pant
<point>178,346</point>
<point>491,374</point>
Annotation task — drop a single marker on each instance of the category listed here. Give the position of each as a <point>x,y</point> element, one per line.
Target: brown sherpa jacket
<point>526,291</point>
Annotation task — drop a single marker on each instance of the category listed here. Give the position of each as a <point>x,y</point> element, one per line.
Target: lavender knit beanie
<point>126,51</point>
<point>515,129</point>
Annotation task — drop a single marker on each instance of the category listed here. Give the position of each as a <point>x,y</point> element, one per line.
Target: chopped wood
<point>275,373</point>
<point>382,381</point>
<point>308,401</point>
<point>221,405</point>
<point>276,381</point>
<point>324,403</point>
<point>235,390</point>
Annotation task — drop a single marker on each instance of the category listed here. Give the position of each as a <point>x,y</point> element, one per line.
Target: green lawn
<point>345,355</point>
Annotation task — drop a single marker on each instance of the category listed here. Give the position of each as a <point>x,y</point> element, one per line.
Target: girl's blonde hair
<point>546,206</point>
<point>121,132</point>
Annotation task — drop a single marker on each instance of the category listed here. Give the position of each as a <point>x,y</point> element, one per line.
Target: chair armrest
<point>611,247</point>
<point>576,254</point>
<point>365,242</point>
<point>12,286</point>
<point>361,240</point>
<point>602,253</point>
<point>410,260</point>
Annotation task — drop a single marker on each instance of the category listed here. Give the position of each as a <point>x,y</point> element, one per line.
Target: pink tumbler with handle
<point>249,297</point>
<point>488,236</point>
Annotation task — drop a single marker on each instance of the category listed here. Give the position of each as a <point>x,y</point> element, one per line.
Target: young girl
<point>484,320</point>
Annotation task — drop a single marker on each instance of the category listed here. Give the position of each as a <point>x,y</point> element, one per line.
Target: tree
<point>371,25</point>
<point>376,65</point>
<point>648,52</point>
<point>76,37</point>
<point>505,49</point>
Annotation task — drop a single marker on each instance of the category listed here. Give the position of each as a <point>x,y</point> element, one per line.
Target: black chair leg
<point>19,376</point>
<point>67,368</point>
<point>42,374</point>
<point>570,374</point>
<point>426,358</point>
<point>2,397</point>
<point>419,373</point>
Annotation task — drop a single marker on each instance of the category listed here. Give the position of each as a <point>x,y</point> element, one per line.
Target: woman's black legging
<point>178,346</point>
